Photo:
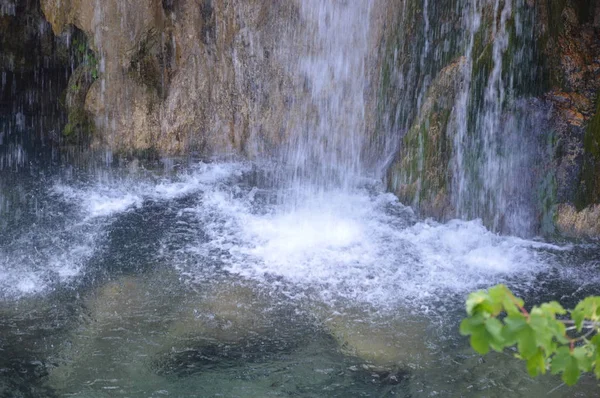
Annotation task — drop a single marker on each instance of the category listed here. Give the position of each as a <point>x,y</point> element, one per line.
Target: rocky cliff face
<point>573,49</point>
<point>474,111</point>
<point>181,75</point>
<point>204,76</point>
<point>510,136</point>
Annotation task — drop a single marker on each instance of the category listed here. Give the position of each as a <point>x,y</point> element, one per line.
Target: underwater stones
<point>138,325</point>
<point>121,325</point>
<point>385,343</point>
<point>225,313</point>
<point>124,298</point>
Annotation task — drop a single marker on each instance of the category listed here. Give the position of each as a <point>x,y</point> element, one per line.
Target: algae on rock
<point>421,175</point>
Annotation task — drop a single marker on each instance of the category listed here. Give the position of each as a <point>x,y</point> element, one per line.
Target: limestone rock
<point>171,81</point>
<point>579,224</point>
<point>135,324</point>
<point>386,342</point>
<point>573,53</point>
<point>225,313</point>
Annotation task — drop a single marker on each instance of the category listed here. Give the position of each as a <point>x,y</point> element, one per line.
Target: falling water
<point>325,148</point>
<point>495,128</point>
<point>497,146</point>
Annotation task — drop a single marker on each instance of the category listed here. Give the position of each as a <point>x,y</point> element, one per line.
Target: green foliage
<point>544,336</point>
<point>86,56</point>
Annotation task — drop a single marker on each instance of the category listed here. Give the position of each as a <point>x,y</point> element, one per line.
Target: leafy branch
<point>547,337</point>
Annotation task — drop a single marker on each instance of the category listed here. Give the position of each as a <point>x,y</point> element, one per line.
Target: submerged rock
<point>141,325</point>
<point>123,323</point>
<point>391,342</point>
<point>226,312</point>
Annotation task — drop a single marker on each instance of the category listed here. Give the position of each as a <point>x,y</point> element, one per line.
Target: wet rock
<point>225,313</point>
<point>172,81</point>
<point>122,324</point>
<point>137,326</point>
<point>386,343</point>
<point>420,177</point>
<point>578,224</point>
<point>573,51</point>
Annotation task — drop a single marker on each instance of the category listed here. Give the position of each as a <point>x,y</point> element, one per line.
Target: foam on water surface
<point>106,198</point>
<point>359,246</point>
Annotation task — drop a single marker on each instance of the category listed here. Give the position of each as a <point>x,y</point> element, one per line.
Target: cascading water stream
<point>495,146</point>
<point>325,149</point>
<point>472,135</point>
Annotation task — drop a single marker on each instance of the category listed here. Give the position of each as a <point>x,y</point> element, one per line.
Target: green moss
<point>589,186</point>
<point>592,135</point>
<point>79,127</point>
<point>555,20</point>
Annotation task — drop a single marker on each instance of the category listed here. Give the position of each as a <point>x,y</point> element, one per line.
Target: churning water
<point>136,282</point>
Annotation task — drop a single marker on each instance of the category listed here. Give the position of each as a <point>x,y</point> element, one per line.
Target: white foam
<point>352,246</point>
<point>43,256</point>
<point>107,198</point>
<point>362,246</point>
<point>27,270</point>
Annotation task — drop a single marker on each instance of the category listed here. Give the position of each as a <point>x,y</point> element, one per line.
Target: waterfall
<point>325,147</point>
<point>473,133</point>
<point>495,152</point>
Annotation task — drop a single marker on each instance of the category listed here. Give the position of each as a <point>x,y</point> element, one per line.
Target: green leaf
<point>588,308</point>
<point>467,325</point>
<point>596,357</point>
<point>476,299</point>
<point>497,296</point>
<point>494,327</point>
<point>566,363</point>
<point>526,343</point>
<point>540,337</point>
<point>514,324</point>
<point>560,360</point>
<point>480,340</point>
<point>536,364</point>
<point>559,331</point>
<point>578,317</point>
<point>571,373</point>
<point>584,359</point>
<point>553,307</point>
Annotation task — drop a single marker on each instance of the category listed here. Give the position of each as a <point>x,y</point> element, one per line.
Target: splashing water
<point>361,247</point>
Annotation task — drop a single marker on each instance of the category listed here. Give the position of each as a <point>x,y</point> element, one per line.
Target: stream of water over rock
<point>293,276</point>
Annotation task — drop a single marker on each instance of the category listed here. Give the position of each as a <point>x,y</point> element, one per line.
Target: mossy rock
<point>80,126</point>
<point>589,187</point>
<point>421,175</point>
<point>579,224</point>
